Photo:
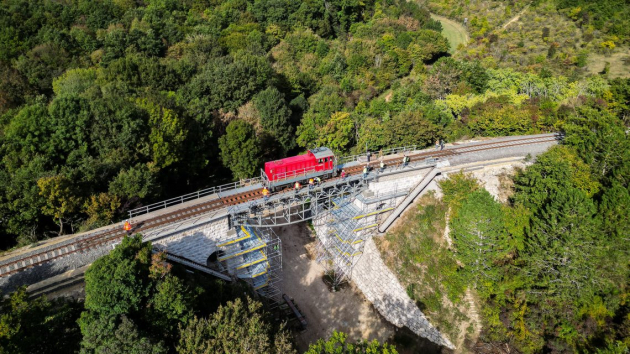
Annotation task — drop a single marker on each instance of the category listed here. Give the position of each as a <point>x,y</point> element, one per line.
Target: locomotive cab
<point>324,157</point>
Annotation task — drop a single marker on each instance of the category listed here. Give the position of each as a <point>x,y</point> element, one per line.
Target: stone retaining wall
<point>381,287</point>
<point>197,244</point>
<point>370,274</point>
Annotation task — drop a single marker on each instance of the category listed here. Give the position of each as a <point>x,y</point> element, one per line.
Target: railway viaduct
<point>232,226</point>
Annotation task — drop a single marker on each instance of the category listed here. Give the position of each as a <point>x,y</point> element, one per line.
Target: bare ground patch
<point>346,310</point>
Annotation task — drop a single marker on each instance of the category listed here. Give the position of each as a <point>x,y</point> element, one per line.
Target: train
<point>319,162</point>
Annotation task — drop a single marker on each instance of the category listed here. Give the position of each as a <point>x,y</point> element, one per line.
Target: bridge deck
<point>60,246</point>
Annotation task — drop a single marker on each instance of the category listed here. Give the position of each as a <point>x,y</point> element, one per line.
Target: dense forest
<point>106,105</point>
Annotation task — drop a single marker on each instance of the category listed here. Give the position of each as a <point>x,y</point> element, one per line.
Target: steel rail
<point>98,239</point>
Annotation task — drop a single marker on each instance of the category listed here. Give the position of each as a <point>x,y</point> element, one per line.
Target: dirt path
<point>453,31</point>
<point>515,18</point>
<point>346,310</point>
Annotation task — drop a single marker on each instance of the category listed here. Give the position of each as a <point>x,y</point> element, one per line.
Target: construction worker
<point>127,226</point>
<point>265,193</point>
<point>405,160</point>
<point>441,144</point>
<point>382,166</point>
<point>437,145</point>
<point>311,183</point>
<point>297,187</point>
<point>365,172</point>
<point>343,175</point>
<point>318,181</point>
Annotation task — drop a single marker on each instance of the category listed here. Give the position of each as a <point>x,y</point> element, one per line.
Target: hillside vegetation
<point>550,267</point>
<point>112,105</point>
<point>565,37</point>
<point>108,104</point>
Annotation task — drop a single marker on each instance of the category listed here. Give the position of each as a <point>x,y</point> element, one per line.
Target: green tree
<point>60,196</point>
<point>563,246</point>
<point>478,231</point>
<point>444,76</point>
<point>101,209</point>
<point>13,88</point>
<point>38,325</point>
<point>171,304</point>
<point>240,149</point>
<point>338,344</point>
<point>226,84</point>
<point>116,335</point>
<point>137,181</point>
<point>410,128</point>
<point>167,133</point>
<point>338,133</point>
<point>557,169</point>
<point>457,188</point>
<point>27,135</point>
<point>118,283</point>
<point>322,106</point>
<point>614,209</point>
<point>42,64</point>
<point>275,116</point>
<point>600,139</point>
<point>133,302</point>
<point>70,118</point>
<point>236,328</point>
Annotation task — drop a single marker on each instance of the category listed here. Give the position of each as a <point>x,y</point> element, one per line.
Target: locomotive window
<point>320,161</point>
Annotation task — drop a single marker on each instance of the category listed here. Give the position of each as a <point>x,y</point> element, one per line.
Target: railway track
<point>96,240</point>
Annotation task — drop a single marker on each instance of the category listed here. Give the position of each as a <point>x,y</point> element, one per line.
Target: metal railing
<point>376,154</point>
<point>191,196</point>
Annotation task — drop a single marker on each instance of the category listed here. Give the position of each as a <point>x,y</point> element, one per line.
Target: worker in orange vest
<point>127,226</point>
<point>297,187</point>
<point>265,194</point>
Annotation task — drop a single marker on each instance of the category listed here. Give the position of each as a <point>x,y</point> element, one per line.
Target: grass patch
<point>618,67</point>
<point>453,31</point>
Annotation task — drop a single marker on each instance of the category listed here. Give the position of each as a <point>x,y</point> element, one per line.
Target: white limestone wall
<point>197,243</point>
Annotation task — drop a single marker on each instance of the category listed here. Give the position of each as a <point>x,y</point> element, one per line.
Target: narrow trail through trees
<point>515,18</point>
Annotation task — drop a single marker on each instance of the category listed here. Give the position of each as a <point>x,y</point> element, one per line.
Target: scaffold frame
<point>292,207</point>
<point>347,225</point>
<point>255,256</point>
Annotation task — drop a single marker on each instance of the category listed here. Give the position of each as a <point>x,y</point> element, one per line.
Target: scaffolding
<point>255,256</point>
<point>292,207</point>
<point>346,227</point>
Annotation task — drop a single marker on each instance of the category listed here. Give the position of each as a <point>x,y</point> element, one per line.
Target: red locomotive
<point>315,163</point>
